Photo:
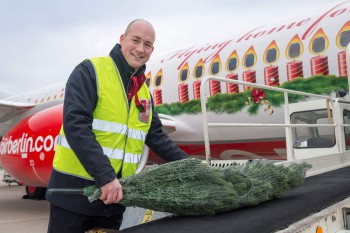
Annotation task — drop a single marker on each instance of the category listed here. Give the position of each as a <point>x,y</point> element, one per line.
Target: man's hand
<point>111,192</point>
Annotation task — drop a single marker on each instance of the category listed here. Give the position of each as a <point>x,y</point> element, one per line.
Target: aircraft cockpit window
<point>294,50</point>
<point>318,45</point>
<point>313,137</point>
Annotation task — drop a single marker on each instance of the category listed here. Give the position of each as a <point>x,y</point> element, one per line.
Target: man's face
<point>137,44</point>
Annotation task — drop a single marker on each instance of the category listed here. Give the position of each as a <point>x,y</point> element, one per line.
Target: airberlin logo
<point>27,144</point>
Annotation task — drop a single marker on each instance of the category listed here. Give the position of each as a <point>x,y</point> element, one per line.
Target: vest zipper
<point>127,131</point>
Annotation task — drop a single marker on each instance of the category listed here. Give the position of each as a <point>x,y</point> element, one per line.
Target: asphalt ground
<point>18,215</point>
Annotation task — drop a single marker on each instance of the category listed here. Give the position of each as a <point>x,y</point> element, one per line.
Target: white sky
<point>42,41</point>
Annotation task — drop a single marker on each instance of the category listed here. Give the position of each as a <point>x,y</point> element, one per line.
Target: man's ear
<point>121,39</point>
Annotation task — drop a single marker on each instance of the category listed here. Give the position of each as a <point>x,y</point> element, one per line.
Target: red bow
<point>136,85</point>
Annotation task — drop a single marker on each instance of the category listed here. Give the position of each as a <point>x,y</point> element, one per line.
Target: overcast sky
<point>42,41</point>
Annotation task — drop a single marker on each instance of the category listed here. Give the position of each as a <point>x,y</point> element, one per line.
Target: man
<point>107,118</point>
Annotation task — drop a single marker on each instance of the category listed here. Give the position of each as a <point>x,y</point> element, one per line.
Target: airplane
<point>278,54</point>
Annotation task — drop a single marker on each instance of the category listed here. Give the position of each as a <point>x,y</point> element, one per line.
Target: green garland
<point>236,102</point>
<point>190,187</point>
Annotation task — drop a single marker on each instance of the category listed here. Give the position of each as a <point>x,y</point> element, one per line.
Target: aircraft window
<point>158,80</point>
<point>232,64</point>
<point>184,75</point>
<point>346,119</point>
<point>318,45</point>
<point>345,38</point>
<point>271,55</point>
<point>313,137</point>
<point>249,60</point>
<point>215,68</point>
<point>294,50</point>
<point>148,81</point>
<point>199,71</point>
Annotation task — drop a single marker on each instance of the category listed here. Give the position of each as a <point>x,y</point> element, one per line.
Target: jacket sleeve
<point>160,143</point>
<point>79,103</point>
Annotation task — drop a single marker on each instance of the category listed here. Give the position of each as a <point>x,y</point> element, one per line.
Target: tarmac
<point>18,215</point>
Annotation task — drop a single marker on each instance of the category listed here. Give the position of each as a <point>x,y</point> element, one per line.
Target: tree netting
<point>190,187</point>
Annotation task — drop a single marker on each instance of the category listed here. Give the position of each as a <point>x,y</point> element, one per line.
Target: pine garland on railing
<point>236,102</point>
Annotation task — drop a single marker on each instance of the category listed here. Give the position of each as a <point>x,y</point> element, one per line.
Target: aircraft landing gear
<point>36,193</point>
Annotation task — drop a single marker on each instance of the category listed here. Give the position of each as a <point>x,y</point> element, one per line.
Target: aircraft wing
<point>9,109</point>
<point>169,125</point>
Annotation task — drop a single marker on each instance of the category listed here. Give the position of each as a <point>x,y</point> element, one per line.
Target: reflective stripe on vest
<point>110,152</point>
<point>120,129</point>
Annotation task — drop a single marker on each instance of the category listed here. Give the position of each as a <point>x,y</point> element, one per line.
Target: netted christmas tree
<point>190,187</point>
<point>258,182</point>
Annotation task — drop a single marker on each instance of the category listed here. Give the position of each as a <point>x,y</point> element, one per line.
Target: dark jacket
<point>79,103</point>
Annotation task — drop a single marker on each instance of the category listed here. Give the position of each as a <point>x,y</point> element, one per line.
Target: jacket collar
<point>127,74</point>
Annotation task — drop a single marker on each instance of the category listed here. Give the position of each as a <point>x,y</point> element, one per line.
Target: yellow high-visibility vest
<point>120,129</point>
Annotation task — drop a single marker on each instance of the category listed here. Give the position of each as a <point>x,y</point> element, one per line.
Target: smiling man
<point>108,117</point>
<point>137,43</point>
